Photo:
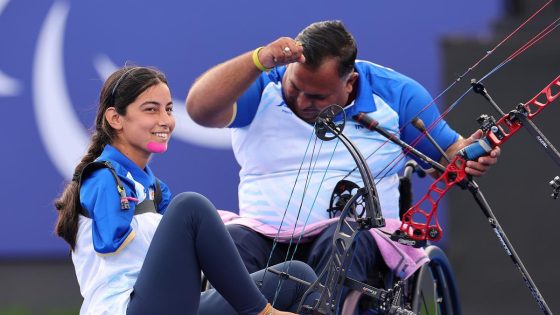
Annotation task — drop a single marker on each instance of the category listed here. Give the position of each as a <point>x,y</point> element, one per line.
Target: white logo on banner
<point>62,133</point>
<point>8,85</point>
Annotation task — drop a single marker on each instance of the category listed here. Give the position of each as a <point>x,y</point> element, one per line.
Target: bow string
<point>332,279</point>
<point>455,172</point>
<point>361,212</point>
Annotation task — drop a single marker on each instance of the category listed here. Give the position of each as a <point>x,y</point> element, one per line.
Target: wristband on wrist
<point>268,310</point>
<point>256,60</point>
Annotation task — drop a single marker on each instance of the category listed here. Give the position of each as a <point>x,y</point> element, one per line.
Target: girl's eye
<point>169,109</point>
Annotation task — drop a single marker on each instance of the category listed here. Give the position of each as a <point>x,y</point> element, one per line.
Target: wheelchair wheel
<point>434,290</point>
<point>430,291</point>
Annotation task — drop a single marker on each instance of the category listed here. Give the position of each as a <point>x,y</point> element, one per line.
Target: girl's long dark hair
<point>120,89</point>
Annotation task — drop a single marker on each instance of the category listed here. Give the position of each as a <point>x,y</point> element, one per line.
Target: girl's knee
<point>190,197</point>
<point>190,203</point>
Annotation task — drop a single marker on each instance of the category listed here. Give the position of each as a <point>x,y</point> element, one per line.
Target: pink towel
<point>401,259</point>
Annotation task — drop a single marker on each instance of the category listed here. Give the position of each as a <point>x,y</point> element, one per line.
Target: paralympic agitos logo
<point>62,134</point>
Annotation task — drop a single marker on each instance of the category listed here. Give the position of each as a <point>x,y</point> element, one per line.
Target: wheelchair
<point>432,290</point>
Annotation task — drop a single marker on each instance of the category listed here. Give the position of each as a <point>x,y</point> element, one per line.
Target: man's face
<point>307,91</point>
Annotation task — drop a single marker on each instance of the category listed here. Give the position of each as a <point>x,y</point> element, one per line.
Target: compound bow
<point>359,213</point>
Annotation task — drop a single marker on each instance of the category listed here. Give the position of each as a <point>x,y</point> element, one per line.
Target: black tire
<point>430,291</point>
<point>434,289</point>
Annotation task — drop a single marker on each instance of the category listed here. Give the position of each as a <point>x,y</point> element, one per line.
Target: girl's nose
<point>166,119</point>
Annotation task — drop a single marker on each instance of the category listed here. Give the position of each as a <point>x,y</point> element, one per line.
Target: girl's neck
<point>138,157</point>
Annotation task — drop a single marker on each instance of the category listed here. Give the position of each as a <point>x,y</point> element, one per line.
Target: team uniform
<point>146,258</point>
<point>112,243</point>
<point>270,142</point>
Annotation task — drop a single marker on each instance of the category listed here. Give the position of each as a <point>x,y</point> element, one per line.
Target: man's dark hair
<point>326,39</point>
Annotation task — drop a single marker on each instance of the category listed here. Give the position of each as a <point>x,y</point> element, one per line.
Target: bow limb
<point>332,278</point>
<point>373,217</point>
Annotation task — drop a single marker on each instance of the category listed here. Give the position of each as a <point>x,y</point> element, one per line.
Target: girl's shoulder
<point>101,173</point>
<point>102,179</point>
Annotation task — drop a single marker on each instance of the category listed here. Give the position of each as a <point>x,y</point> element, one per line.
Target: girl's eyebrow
<point>155,103</point>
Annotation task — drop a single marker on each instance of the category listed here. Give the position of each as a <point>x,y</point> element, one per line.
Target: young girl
<point>136,251</point>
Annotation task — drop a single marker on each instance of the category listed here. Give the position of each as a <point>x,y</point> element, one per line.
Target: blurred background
<point>56,54</point>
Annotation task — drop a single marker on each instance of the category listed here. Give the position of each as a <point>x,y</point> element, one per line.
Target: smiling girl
<point>136,251</point>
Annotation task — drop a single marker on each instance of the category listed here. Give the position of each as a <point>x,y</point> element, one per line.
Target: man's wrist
<point>257,61</point>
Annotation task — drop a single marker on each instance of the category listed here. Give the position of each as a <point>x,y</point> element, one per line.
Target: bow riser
<point>430,228</point>
<point>331,280</point>
<point>496,133</point>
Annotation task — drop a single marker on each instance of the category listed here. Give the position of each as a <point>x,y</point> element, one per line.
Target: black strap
<point>143,207</point>
<point>94,166</point>
<point>157,195</point>
<point>150,205</point>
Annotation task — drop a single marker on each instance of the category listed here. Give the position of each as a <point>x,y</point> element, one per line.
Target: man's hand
<point>281,52</point>
<point>483,163</point>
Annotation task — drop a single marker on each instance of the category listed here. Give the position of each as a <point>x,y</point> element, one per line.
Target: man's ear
<point>113,118</point>
<point>352,77</point>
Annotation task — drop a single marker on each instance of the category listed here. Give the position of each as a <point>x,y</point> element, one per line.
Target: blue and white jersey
<point>112,244</point>
<point>270,144</point>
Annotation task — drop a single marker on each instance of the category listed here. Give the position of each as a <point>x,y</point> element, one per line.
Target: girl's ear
<point>113,118</point>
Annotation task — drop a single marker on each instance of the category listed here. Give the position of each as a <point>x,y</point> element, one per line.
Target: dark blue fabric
<point>288,298</point>
<point>255,251</point>
<point>191,237</point>
<point>366,254</point>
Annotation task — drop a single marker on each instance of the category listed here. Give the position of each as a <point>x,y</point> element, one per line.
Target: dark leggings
<point>191,237</point>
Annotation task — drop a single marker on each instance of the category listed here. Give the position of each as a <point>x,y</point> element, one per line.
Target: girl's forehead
<point>158,92</point>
